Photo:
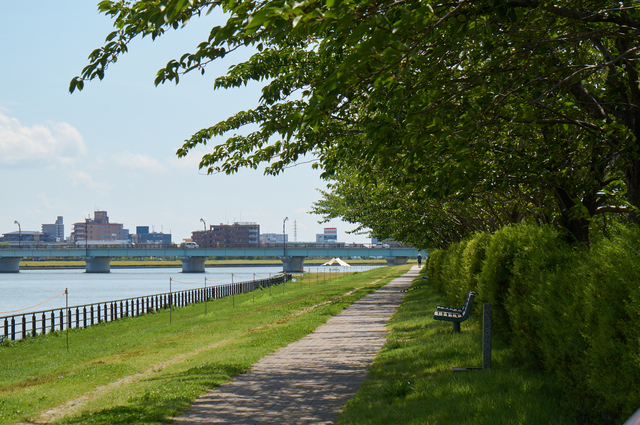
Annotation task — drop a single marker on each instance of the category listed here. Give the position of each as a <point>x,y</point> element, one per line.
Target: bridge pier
<point>293,264</point>
<point>193,264</point>
<point>98,264</point>
<point>10,264</point>
<point>396,261</point>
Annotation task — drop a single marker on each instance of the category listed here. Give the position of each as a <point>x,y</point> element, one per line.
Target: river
<point>24,290</point>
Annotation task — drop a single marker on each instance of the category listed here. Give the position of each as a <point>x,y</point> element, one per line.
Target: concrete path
<point>307,381</point>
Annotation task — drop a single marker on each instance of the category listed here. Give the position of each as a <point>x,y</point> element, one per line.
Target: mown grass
<point>145,370</point>
<point>411,380</point>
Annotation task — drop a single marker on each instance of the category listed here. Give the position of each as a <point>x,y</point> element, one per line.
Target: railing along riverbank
<point>31,324</point>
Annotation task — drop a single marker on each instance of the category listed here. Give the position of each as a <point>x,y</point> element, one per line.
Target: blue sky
<point>112,146</point>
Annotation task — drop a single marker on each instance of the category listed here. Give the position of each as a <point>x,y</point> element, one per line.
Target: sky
<point>112,146</point>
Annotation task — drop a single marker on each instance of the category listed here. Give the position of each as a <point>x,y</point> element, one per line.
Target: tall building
<point>99,230</point>
<point>56,230</point>
<point>330,235</point>
<point>224,235</point>
<point>143,236</point>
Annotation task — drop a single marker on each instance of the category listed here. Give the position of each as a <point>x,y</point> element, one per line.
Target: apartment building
<point>228,235</point>
<point>56,230</point>
<point>99,230</point>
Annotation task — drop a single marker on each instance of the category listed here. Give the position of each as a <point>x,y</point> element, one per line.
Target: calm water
<point>21,291</point>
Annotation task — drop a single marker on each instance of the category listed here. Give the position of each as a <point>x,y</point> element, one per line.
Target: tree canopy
<point>528,108</point>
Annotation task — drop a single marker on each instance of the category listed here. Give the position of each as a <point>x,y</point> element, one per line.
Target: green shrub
<point>612,335</point>
<point>453,273</point>
<point>572,311</point>
<point>434,268</point>
<point>496,278</point>
<point>473,260</point>
<point>530,300</point>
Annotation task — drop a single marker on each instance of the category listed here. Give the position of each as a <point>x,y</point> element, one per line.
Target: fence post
<point>486,336</point>
<point>33,325</point>
<point>24,326</point>
<point>53,322</point>
<point>44,324</point>
<point>66,297</point>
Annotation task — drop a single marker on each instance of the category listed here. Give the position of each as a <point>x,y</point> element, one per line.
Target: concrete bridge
<point>98,260</point>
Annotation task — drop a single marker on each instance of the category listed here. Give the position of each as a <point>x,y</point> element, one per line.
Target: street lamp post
<point>284,239</point>
<point>204,234</point>
<point>86,237</point>
<point>19,233</point>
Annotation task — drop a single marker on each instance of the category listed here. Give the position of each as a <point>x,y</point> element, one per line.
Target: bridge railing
<point>26,245</point>
<point>20,326</point>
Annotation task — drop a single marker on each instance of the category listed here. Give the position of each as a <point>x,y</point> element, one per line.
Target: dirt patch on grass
<point>29,383</point>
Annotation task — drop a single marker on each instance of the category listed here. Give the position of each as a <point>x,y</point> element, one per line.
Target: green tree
<point>533,96</point>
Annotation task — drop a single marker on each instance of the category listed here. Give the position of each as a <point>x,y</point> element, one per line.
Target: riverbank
<point>115,264</point>
<point>147,369</point>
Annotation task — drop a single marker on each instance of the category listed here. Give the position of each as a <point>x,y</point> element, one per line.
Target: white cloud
<point>45,200</point>
<point>190,162</point>
<point>81,178</point>
<point>52,143</point>
<point>138,162</point>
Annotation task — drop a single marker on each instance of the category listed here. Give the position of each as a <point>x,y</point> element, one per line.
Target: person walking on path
<point>307,381</point>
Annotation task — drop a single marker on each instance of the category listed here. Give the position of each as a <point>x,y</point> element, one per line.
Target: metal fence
<point>20,326</point>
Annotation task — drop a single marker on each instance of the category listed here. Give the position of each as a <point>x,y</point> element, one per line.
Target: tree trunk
<point>576,224</point>
<point>633,190</point>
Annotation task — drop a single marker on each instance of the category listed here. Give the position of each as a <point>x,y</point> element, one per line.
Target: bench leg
<point>456,327</point>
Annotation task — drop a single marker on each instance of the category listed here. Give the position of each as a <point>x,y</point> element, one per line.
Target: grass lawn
<point>145,370</point>
<point>411,380</point>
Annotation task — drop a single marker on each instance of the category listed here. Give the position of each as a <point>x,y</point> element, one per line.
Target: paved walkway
<point>307,381</point>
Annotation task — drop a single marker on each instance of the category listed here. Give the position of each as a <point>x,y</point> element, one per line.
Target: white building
<point>330,235</point>
<point>273,238</point>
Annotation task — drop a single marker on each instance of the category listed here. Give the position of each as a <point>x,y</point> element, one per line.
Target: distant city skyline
<point>58,229</point>
<point>112,146</point>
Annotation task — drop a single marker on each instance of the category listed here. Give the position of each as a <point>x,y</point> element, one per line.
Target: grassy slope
<point>145,370</point>
<point>411,380</point>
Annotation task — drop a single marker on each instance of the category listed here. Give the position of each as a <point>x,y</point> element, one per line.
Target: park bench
<point>455,315</point>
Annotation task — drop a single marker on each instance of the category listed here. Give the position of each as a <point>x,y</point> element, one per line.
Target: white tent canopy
<point>337,260</point>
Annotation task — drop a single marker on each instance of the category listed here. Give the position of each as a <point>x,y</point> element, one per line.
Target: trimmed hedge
<point>572,312</point>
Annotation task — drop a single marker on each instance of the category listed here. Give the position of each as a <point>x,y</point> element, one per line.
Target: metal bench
<point>455,315</point>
